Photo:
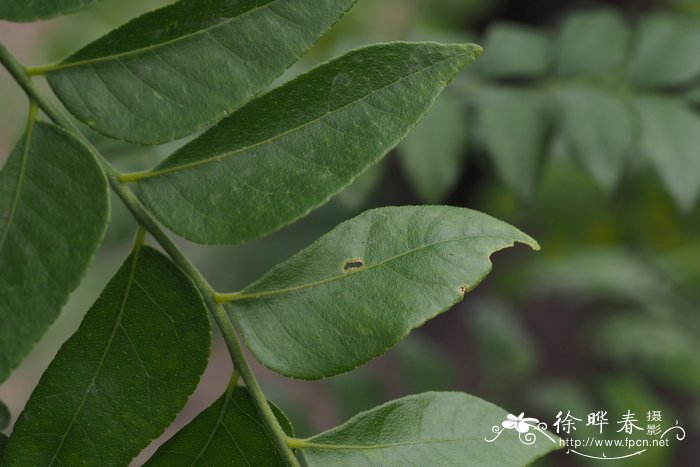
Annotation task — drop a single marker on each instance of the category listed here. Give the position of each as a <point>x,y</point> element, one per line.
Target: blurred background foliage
<point>579,125</point>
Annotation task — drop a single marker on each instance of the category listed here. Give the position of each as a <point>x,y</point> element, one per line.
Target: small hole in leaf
<point>463,290</point>
<point>351,264</point>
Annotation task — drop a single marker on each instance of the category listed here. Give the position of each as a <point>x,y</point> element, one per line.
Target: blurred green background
<point>545,132</point>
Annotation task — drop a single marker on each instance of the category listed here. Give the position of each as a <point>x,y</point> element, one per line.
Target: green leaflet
<point>364,286</point>
<point>3,443</point>
<point>432,153</point>
<point>514,129</point>
<point>32,10</point>
<point>121,379</point>
<point>600,130</point>
<point>515,51</point>
<point>53,213</point>
<point>592,41</point>
<point>229,432</point>
<point>170,72</point>
<point>433,428</point>
<point>670,134</point>
<point>287,152</point>
<point>666,53</point>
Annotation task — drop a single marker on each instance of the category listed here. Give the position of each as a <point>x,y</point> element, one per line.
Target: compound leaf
<point>515,51</point>
<point>121,379</point>
<point>591,41</point>
<point>364,286</point>
<point>670,141</point>
<point>666,53</point>
<point>600,130</point>
<point>432,153</point>
<point>54,209</point>
<point>514,130</point>
<point>229,432</point>
<point>287,152</point>
<point>416,430</point>
<point>176,69</point>
<point>32,10</point>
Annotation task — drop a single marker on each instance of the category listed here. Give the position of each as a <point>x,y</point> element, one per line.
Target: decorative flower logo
<point>520,423</point>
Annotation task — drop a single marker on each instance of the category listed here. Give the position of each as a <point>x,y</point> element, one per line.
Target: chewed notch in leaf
<point>401,266</point>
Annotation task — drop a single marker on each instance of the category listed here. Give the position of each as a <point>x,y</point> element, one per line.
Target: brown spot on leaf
<point>351,264</point>
<point>463,290</point>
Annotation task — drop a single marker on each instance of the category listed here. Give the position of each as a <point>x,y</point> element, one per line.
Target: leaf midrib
<point>251,296</point>
<point>20,179</point>
<point>138,176</point>
<point>65,65</point>
<point>360,447</point>
<point>117,323</point>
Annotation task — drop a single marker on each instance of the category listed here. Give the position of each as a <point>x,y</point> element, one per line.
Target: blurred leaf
<point>53,213</point>
<point>599,129</point>
<point>32,10</point>
<point>413,429</point>
<point>623,393</point>
<point>432,153</point>
<point>124,375</point>
<point>669,351</point>
<point>287,152</point>
<point>670,141</point>
<point>359,192</point>
<point>514,129</point>
<point>5,417</point>
<point>592,40</point>
<point>356,391</point>
<point>515,51</point>
<point>667,51</point>
<point>364,286</point>
<point>506,350</point>
<point>229,432</point>
<point>174,70</point>
<point>3,443</point>
<point>424,366</point>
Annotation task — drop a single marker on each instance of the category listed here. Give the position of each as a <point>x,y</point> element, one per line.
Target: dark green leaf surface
<point>515,51</point>
<point>121,379</point>
<point>600,130</point>
<point>3,443</point>
<point>53,213</point>
<point>365,285</point>
<point>667,51</point>
<point>432,153</point>
<point>287,152</point>
<point>5,416</point>
<point>433,428</point>
<point>514,130</point>
<point>174,70</point>
<point>229,432</point>
<point>32,10</point>
<point>670,141</point>
<point>591,41</point>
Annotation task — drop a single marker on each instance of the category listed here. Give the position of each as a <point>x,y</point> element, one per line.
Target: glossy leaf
<point>5,416</point>
<point>515,51</point>
<point>54,210</point>
<point>432,153</point>
<point>514,130</point>
<point>600,130</point>
<point>433,428</point>
<point>121,379</point>
<point>670,141</point>
<point>32,10</point>
<point>286,153</point>
<point>229,432</point>
<point>169,72</point>
<point>364,286</point>
<point>592,41</point>
<point>666,53</point>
